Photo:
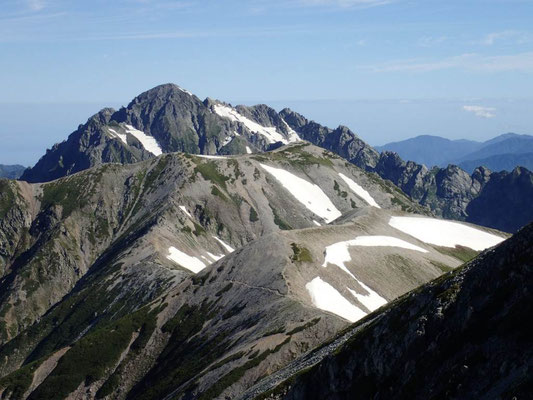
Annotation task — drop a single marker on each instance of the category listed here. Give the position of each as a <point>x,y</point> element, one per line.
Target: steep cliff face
<point>460,336</point>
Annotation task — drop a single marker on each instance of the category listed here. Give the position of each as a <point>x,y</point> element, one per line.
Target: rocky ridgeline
<point>169,119</point>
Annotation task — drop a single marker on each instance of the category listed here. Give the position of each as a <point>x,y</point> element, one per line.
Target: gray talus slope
<point>249,314</point>
<point>131,323</point>
<point>143,213</point>
<point>460,336</point>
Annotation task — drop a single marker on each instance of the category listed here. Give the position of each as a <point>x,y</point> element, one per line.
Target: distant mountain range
<point>504,152</point>
<point>11,171</point>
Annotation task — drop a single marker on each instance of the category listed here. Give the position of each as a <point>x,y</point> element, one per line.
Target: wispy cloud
<point>431,41</point>
<point>509,35</point>
<point>36,5</point>
<point>475,62</point>
<point>480,111</point>
<point>346,3</point>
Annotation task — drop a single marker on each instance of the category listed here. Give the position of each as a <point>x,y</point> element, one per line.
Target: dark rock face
<point>505,201</point>
<point>496,200</point>
<point>88,146</point>
<point>462,336</point>
<point>341,141</point>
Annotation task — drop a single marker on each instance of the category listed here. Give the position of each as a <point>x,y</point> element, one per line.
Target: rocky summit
<point>188,249</point>
<point>168,119</point>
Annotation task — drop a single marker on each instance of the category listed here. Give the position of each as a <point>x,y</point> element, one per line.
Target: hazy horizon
<point>388,69</point>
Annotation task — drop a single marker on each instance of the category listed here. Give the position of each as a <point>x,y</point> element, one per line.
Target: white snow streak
<point>316,223</point>
<point>185,211</point>
<point>293,136</point>
<point>269,132</point>
<point>186,261</point>
<point>117,135</point>
<point>358,190</point>
<point>248,150</point>
<point>214,157</point>
<point>148,142</point>
<point>309,194</point>
<point>226,246</point>
<point>445,233</point>
<point>338,253</point>
<point>327,298</point>
<point>372,300</point>
<point>214,256</point>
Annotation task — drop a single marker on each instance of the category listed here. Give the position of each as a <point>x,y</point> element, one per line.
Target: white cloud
<point>480,111</point>
<point>474,62</point>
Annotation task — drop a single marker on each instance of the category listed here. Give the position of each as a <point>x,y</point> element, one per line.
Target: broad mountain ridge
<point>168,118</point>
<point>196,276</point>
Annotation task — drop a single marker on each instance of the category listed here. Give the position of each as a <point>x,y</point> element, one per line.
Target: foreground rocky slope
<point>123,281</point>
<point>460,336</point>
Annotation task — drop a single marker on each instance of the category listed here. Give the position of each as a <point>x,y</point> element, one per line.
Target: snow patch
<point>359,191</point>
<point>215,157</point>
<point>316,223</point>
<point>226,246</point>
<point>445,233</point>
<point>327,298</point>
<point>269,132</point>
<point>248,150</point>
<point>148,142</point>
<point>185,91</point>
<point>309,194</point>
<point>117,135</point>
<point>338,253</point>
<point>372,300</point>
<point>293,136</point>
<point>185,211</point>
<point>227,140</point>
<point>193,264</point>
<point>214,256</point>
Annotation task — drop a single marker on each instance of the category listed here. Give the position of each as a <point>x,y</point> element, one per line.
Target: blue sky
<point>387,69</point>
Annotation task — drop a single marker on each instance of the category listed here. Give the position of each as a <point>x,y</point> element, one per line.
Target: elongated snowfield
<point>117,135</point>
<point>193,264</point>
<point>148,142</point>
<point>338,253</point>
<point>327,298</point>
<point>359,191</point>
<point>228,248</point>
<point>248,150</point>
<point>269,132</point>
<point>309,194</point>
<point>445,233</point>
<point>213,157</point>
